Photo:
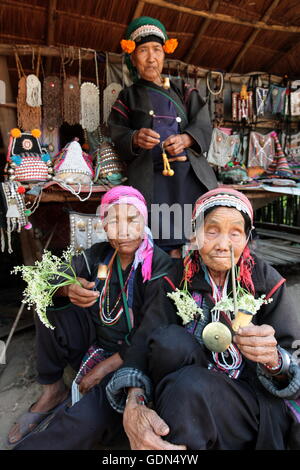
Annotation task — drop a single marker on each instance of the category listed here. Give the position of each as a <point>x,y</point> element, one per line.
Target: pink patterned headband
<point>130,195</point>
<point>124,195</point>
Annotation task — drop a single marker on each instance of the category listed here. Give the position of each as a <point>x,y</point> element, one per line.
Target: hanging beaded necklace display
<point>231,359</point>
<point>110,316</point>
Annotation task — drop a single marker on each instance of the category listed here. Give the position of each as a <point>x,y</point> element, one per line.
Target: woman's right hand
<point>82,295</point>
<point>146,138</point>
<point>144,428</point>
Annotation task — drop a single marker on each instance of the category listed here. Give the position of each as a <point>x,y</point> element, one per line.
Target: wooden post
<point>8,117</point>
<point>202,30</point>
<point>138,10</point>
<point>225,18</point>
<point>253,36</point>
<point>50,31</point>
<point>53,51</point>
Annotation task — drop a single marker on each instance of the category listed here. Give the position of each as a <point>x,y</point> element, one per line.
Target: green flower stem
<point>63,284</point>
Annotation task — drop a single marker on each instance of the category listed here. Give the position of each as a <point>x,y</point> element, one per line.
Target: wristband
<point>277,367</point>
<point>140,399</point>
<point>283,368</point>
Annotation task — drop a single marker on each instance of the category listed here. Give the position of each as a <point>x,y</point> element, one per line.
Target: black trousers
<point>92,420</point>
<point>73,334</point>
<point>206,409</point>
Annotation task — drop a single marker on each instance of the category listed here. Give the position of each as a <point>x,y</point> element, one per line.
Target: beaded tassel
<point>167,171</point>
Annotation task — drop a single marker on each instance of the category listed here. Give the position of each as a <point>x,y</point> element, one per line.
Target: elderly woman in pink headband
<point>119,281</point>
<point>216,381</point>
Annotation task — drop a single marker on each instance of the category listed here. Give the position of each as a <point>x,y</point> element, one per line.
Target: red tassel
<point>246,264</point>
<point>191,266</point>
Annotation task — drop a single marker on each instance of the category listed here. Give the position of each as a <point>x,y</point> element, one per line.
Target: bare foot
<point>52,395</point>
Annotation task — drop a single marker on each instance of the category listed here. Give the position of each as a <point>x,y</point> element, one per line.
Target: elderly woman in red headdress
<point>236,396</point>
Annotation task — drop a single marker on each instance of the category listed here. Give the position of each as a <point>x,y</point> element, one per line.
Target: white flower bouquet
<point>245,301</point>
<point>186,306</point>
<point>43,280</point>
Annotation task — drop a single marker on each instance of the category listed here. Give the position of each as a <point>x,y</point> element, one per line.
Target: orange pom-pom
<point>127,45</point>
<point>36,133</point>
<point>170,46</point>
<point>21,190</point>
<point>15,133</point>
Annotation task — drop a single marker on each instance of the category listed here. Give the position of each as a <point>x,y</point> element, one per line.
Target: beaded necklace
<point>232,353</point>
<point>105,312</point>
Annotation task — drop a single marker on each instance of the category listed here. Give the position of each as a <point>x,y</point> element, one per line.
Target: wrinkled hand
<point>146,139</point>
<point>91,379</point>
<point>258,343</point>
<point>175,144</point>
<point>82,296</point>
<point>144,429</point>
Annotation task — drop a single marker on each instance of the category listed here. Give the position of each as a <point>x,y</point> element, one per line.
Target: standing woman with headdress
<point>157,115</point>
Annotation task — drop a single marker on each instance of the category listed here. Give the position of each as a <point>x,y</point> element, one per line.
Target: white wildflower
<point>44,279</point>
<point>186,306</point>
<point>245,301</point>
<point>224,305</point>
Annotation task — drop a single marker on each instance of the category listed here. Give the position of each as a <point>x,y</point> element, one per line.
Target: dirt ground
<point>18,389</point>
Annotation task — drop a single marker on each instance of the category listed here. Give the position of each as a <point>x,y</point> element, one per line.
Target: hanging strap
<point>79,71</point>
<point>122,65</point>
<point>63,66</point>
<point>38,63</point>
<point>96,68</point>
<point>169,98</point>
<point>20,69</point>
<point>124,298</point>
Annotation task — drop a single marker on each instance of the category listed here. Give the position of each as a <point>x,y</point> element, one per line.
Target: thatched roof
<point>229,35</point>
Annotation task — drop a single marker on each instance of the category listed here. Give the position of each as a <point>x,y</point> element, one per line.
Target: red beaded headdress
<point>229,198</point>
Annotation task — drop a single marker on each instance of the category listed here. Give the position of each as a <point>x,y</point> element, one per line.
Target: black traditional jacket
<point>132,111</point>
<point>117,338</point>
<point>281,314</point>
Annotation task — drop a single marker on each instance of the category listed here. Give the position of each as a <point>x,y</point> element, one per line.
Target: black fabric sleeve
<point>158,310</point>
<point>120,129</point>
<point>161,266</point>
<point>281,313</point>
<point>199,127</point>
<point>283,316</point>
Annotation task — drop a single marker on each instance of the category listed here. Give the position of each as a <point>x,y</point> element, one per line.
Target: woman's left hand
<point>258,343</point>
<point>92,378</point>
<point>98,373</point>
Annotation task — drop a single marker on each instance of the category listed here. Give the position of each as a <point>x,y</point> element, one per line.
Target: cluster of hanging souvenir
<point>59,100</point>
<point>255,100</point>
<point>34,156</point>
<point>239,158</point>
<point>242,153</point>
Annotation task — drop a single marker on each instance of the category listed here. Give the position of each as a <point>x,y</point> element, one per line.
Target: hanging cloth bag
<point>111,92</point>
<point>276,100</point>
<point>52,112</point>
<point>89,102</point>
<point>223,148</point>
<point>261,150</point>
<point>29,117</point>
